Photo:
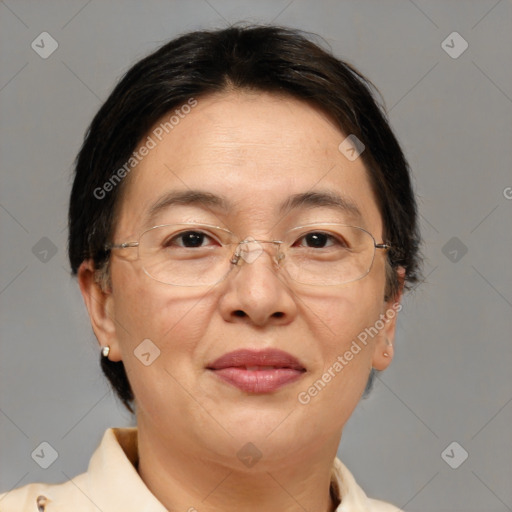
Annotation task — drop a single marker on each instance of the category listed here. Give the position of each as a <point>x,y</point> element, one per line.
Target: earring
<point>389,344</point>
<point>105,351</point>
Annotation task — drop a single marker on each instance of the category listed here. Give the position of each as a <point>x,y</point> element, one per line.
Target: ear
<point>100,305</point>
<point>385,341</point>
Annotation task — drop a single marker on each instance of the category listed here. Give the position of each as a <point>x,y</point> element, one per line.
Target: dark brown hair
<point>260,58</point>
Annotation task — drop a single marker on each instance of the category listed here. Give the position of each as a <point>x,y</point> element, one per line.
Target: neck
<point>193,481</point>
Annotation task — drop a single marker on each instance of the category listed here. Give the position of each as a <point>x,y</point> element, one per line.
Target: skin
<point>255,149</point>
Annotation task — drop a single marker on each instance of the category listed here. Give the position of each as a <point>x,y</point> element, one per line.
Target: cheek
<point>161,315</point>
<point>340,373</point>
<point>339,316</point>
<point>173,318</point>
<point>175,321</point>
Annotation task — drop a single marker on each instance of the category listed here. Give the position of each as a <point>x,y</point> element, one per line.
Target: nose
<point>256,291</point>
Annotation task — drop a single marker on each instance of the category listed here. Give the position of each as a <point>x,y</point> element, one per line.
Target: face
<point>255,151</point>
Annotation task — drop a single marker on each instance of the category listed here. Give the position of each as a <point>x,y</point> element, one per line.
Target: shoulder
<point>47,497</point>
<point>381,506</point>
<point>351,497</point>
<point>110,483</point>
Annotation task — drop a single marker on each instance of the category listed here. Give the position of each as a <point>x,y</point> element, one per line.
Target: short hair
<point>255,58</point>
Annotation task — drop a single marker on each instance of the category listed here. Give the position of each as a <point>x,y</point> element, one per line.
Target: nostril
<point>239,313</point>
<point>278,314</point>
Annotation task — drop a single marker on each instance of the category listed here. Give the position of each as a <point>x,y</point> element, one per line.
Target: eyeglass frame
<point>235,258</point>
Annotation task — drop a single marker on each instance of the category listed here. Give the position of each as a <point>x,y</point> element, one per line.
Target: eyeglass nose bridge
<point>251,249</point>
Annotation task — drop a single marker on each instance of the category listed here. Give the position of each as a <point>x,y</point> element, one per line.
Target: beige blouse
<point>112,484</point>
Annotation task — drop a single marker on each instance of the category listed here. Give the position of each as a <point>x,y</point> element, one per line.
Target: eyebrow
<point>326,199</point>
<point>188,198</point>
<point>200,198</point>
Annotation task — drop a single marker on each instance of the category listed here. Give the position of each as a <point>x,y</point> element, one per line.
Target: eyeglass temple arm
<point>125,245</point>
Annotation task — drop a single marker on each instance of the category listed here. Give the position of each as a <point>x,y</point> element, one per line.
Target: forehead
<point>257,152</point>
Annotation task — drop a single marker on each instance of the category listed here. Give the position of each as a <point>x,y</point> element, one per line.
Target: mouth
<point>257,371</point>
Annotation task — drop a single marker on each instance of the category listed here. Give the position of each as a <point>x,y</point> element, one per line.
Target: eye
<point>188,240</point>
<point>320,240</point>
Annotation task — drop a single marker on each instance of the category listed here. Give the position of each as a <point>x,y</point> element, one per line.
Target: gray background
<point>451,379</point>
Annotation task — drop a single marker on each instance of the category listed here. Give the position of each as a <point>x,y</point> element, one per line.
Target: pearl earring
<point>389,344</point>
<point>105,351</point>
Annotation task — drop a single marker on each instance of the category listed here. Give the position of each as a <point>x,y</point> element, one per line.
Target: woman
<point>242,226</point>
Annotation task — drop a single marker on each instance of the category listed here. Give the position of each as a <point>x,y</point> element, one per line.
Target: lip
<point>261,371</point>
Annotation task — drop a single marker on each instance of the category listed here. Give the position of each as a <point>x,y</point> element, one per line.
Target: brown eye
<point>188,239</point>
<point>320,240</point>
<point>317,240</point>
